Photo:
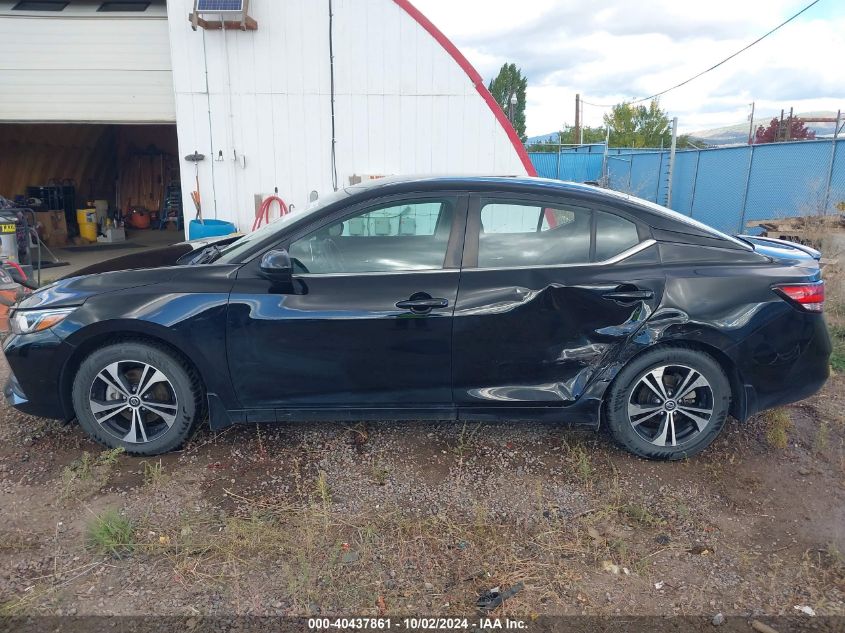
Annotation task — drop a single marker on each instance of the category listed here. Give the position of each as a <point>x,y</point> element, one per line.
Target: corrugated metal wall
<point>403,105</point>
<point>82,65</point>
<point>723,187</point>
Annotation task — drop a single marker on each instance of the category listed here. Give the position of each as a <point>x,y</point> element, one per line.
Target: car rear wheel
<point>137,396</point>
<point>669,403</point>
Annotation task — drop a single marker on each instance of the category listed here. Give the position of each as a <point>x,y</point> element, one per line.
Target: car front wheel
<point>668,403</point>
<point>137,396</point>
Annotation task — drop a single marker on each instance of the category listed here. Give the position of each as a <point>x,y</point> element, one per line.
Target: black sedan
<point>435,298</point>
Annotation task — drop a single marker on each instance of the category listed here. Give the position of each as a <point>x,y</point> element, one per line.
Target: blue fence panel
<point>574,166</point>
<point>720,190</point>
<point>544,163</point>
<point>645,175</point>
<point>581,167</point>
<point>837,179</point>
<point>788,179</point>
<point>723,187</point>
<point>683,181</point>
<point>618,172</point>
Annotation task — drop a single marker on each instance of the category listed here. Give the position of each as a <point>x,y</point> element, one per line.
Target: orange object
<point>139,219</point>
<point>10,296</point>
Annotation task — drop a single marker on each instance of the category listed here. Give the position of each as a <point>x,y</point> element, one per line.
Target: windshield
<point>232,253</point>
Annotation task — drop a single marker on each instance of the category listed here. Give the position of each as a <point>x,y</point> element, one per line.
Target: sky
<point>624,49</point>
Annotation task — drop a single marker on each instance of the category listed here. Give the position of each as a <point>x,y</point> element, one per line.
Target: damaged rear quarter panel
<point>538,337</point>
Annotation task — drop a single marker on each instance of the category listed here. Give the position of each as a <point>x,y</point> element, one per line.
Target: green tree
<point>567,137</point>
<point>507,83</point>
<point>639,126</point>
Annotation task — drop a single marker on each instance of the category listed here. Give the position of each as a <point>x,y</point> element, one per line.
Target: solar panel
<point>219,6</point>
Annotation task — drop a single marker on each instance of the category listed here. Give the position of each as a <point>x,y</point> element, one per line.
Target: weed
<point>82,467</point>
<point>80,470</point>
<point>110,457</point>
<point>837,339</point>
<point>585,469</point>
<point>833,554</point>
<point>380,474</point>
<point>324,492</point>
<point>620,549</point>
<point>88,473</point>
<point>641,514</point>
<point>581,459</point>
<point>466,438</point>
<point>111,533</point>
<point>153,473</point>
<point>822,439</point>
<point>778,423</point>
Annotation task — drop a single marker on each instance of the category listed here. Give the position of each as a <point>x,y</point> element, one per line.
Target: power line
<point>714,66</point>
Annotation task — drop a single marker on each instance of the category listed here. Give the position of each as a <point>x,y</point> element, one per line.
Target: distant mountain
<point>738,134</point>
<point>544,138</point>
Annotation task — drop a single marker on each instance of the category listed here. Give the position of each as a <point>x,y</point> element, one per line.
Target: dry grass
<point>88,474</point>
<point>778,424</point>
<point>153,473</point>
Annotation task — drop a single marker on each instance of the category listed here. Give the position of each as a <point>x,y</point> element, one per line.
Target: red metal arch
<point>474,77</point>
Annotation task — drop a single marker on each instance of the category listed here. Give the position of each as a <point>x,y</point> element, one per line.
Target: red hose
<point>264,211</point>
<point>16,266</point>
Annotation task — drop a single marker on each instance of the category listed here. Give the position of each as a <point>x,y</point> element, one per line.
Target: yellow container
<point>87,220</point>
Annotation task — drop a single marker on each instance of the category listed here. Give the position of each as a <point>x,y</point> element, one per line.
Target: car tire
<point>138,396</point>
<point>648,415</point>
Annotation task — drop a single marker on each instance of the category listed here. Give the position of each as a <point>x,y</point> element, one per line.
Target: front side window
<point>528,234</point>
<point>400,236</point>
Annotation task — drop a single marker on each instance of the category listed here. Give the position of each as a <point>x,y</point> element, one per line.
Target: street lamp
<point>512,104</point>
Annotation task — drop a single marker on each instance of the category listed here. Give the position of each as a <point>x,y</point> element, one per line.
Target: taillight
<point>808,296</point>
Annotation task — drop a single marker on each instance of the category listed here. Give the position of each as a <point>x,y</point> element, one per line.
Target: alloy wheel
<point>133,401</point>
<point>670,405</point>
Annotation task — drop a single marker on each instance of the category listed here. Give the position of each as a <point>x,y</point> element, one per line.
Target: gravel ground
<point>422,518</point>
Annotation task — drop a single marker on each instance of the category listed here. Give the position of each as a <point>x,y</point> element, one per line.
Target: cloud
<point>625,49</point>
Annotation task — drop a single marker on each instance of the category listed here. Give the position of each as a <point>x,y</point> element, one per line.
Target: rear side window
<point>531,234</point>
<point>614,235</point>
<point>514,234</point>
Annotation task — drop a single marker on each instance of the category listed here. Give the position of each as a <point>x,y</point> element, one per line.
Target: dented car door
<point>550,289</point>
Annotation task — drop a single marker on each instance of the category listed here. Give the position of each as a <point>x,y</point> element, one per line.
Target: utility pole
<point>671,161</point>
<point>577,130</point>
<point>751,126</point>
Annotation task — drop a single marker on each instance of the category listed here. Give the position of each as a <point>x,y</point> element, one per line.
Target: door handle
<point>420,305</point>
<point>633,294</point>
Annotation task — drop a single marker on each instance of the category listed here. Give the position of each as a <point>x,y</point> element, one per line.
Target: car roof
<point>649,212</point>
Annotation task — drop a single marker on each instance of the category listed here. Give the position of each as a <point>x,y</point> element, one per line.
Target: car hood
<point>73,291</point>
<point>154,257</point>
<point>129,271</point>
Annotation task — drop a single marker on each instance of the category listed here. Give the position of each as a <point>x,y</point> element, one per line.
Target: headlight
<point>28,321</point>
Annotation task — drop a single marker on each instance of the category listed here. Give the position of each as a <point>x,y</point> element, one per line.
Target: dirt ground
<point>422,518</point>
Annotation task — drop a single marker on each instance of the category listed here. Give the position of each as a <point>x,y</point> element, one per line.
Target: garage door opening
<point>92,188</point>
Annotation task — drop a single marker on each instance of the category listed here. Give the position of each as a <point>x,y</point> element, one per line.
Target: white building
<point>97,92</point>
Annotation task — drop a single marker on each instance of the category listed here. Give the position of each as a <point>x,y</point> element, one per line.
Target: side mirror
<point>276,266</point>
